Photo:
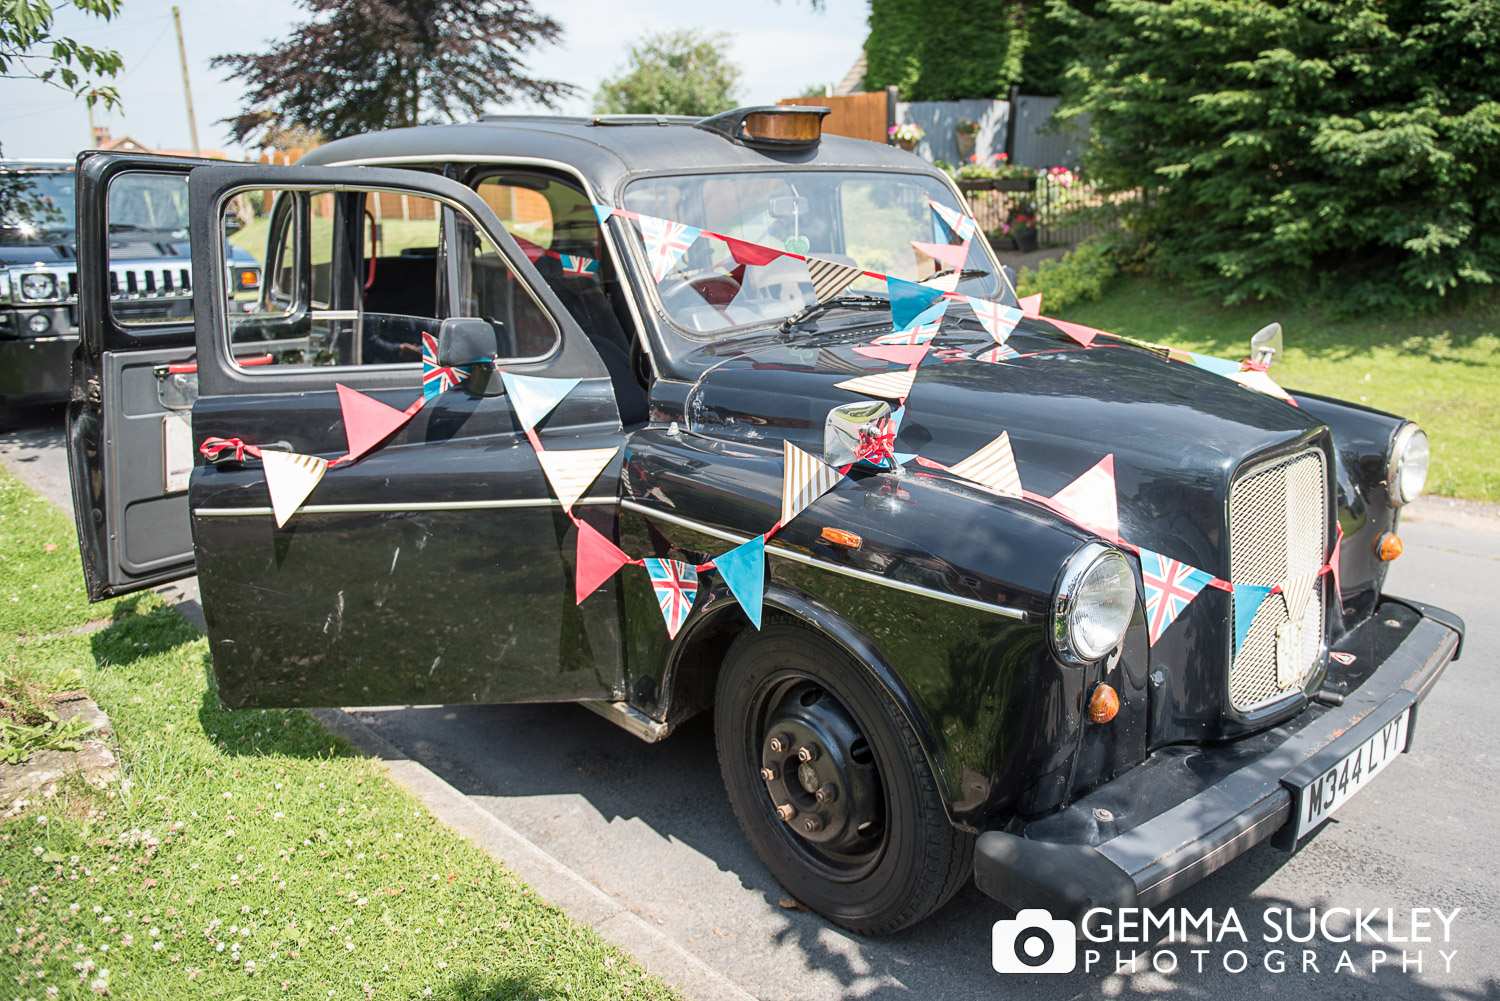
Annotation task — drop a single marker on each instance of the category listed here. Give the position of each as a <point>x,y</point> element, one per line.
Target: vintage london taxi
<point>666,416</point>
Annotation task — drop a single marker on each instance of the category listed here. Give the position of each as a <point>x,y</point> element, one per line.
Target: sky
<point>782,48</point>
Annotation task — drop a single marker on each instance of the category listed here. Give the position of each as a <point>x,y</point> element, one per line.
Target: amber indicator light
<point>1103,704</point>
<point>839,537</point>
<point>249,279</point>
<point>793,127</point>
<point>1388,546</point>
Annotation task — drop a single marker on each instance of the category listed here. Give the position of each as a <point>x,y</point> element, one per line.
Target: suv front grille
<point>1278,520</point>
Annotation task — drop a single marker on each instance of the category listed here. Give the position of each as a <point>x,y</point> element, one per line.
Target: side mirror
<point>842,428</point>
<point>464,340</point>
<point>1265,346</point>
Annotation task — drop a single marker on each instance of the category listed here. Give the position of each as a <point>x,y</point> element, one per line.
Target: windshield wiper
<point>124,227</point>
<point>837,302</point>
<point>966,273</point>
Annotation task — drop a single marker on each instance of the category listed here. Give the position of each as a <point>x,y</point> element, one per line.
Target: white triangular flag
<point>992,467</point>
<point>1090,500</point>
<point>885,385</point>
<point>1296,591</point>
<point>1260,382</point>
<point>290,477</point>
<point>571,472</point>
<point>803,480</point>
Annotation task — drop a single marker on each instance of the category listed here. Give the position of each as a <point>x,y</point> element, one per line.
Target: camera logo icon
<point>1034,942</point>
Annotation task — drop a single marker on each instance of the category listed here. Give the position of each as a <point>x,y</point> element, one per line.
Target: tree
<point>945,51</point>
<point>29,49</point>
<point>359,65</point>
<point>1287,147</point>
<point>673,73</point>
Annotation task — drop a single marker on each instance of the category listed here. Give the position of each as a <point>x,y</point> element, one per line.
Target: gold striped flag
<point>992,467</point>
<point>290,477</point>
<point>1296,591</point>
<point>885,385</point>
<point>830,278</point>
<point>571,472</point>
<point>803,480</point>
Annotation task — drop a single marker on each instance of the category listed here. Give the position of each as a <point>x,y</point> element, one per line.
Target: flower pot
<point>966,145</point>
<point>907,144</point>
<point>1026,240</point>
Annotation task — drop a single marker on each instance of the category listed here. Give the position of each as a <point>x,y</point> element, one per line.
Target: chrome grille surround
<point>1278,521</point>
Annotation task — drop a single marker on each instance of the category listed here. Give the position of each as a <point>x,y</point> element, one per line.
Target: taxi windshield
<point>866,219</point>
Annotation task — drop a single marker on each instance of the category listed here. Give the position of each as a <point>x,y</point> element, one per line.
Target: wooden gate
<point>860,116</point>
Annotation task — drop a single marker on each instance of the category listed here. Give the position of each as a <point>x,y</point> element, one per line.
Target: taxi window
<point>150,262</point>
<point>357,280</point>
<point>859,218</point>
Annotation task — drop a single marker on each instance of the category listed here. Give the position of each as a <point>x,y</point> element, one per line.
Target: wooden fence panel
<point>860,116</point>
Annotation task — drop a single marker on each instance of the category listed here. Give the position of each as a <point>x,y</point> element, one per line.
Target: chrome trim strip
<point>796,557</point>
<point>486,505</point>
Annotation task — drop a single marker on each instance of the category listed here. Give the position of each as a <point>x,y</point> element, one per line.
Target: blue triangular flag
<point>533,397</point>
<point>1218,366</point>
<point>908,300</point>
<point>744,570</point>
<point>1247,599</point>
<point>602,213</point>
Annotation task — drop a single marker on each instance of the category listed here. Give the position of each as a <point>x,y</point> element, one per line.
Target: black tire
<point>877,862</point>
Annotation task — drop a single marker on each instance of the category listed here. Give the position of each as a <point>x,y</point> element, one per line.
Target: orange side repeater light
<point>839,537</point>
<point>1388,546</point>
<point>1103,704</point>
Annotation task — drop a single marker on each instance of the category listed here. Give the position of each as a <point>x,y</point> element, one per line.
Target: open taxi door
<point>129,431</point>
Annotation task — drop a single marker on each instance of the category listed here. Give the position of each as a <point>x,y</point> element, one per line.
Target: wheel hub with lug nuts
<point>820,772</point>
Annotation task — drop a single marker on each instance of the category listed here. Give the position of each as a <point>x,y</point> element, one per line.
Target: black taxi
<point>666,416</point>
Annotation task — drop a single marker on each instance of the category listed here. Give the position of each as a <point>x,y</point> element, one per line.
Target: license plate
<point>1332,788</point>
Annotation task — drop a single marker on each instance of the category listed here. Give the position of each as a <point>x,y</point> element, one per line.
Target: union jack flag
<point>961,225</point>
<point>676,585</point>
<point>438,378</point>
<point>574,264</point>
<point>920,334</point>
<point>1003,353</point>
<point>665,242</point>
<point>1170,586</point>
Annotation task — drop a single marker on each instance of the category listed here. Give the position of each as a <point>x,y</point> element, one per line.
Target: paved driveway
<point>651,827</point>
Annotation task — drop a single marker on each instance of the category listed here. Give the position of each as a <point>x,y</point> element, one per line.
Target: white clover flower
<point>157,946</point>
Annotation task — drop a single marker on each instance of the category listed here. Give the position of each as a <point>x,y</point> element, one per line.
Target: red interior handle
<point>189,367</point>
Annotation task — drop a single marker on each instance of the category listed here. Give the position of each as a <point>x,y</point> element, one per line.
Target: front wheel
<point>830,785</point>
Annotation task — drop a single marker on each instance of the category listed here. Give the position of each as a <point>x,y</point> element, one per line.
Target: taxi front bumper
<point>1188,810</point>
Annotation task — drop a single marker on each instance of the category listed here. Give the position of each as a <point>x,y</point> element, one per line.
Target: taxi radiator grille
<point>1278,520</point>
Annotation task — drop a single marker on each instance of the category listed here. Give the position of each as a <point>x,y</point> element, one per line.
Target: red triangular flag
<point>533,252</point>
<point>367,421</point>
<point>750,253</point>
<point>897,354</point>
<point>1031,305</point>
<point>952,254</point>
<point>1090,500</point>
<point>598,559</point>
<point>1080,333</point>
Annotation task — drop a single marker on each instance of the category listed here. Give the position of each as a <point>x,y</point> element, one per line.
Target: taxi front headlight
<point>1093,604</point>
<point>38,286</point>
<point>1406,474</point>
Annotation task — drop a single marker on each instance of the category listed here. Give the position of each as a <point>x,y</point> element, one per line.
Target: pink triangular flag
<point>367,421</point>
<point>1090,500</point>
<point>1031,305</point>
<point>598,559</point>
<point>1333,565</point>
<point>1082,334</point>
<point>952,254</point>
<point>896,354</point>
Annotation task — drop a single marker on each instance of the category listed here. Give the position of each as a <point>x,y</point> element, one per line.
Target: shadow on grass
<point>495,987</point>
<point>133,634</point>
<point>265,733</point>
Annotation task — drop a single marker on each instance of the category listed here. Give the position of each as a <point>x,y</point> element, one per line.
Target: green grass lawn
<point>245,854</point>
<point>1441,371</point>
